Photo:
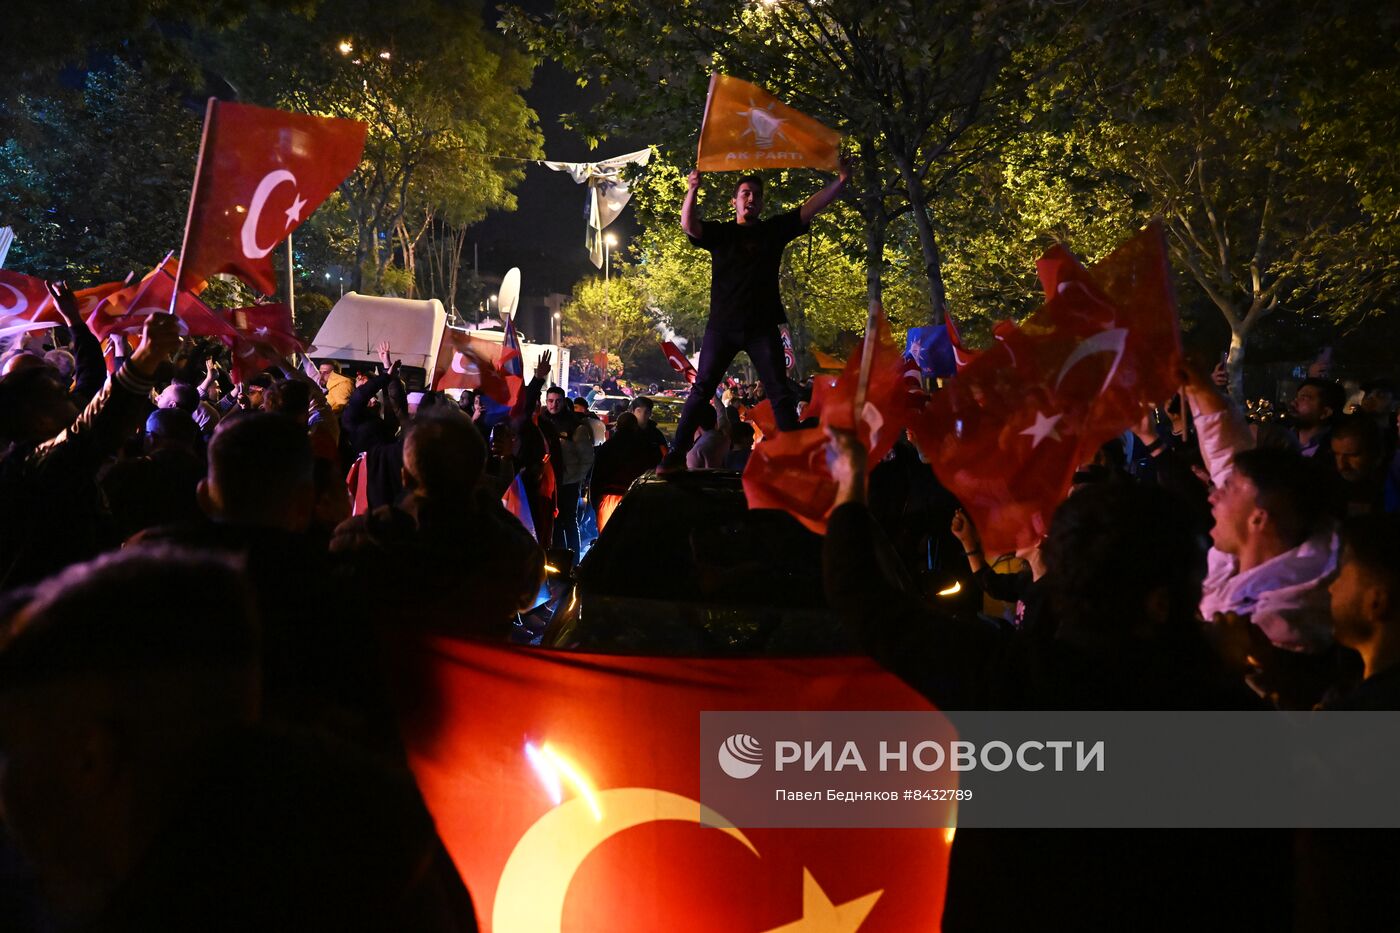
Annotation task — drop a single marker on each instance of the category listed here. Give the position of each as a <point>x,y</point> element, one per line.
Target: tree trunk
<point>1234,361</point>
<point>928,243</point>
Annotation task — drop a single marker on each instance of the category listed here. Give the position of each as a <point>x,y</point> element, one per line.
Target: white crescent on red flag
<point>261,173</point>
<point>678,362</point>
<point>262,333</point>
<point>22,298</point>
<point>566,787</point>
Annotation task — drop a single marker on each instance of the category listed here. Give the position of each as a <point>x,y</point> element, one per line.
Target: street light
<point>557,331</point>
<point>609,241</point>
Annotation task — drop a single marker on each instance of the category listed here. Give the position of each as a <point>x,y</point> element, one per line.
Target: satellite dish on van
<point>508,298</point>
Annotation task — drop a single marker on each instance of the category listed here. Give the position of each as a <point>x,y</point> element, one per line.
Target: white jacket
<point>1286,596</point>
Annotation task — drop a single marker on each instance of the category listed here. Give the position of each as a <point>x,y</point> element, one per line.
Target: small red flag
<point>678,361</point>
<point>789,471</point>
<point>263,335</point>
<point>124,310</point>
<point>261,173</point>
<point>465,361</point>
<point>1008,433</point>
<point>23,298</point>
<point>961,354</point>
<point>566,788</point>
<point>762,418</point>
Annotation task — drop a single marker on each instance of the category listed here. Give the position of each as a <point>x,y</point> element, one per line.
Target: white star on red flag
<point>1044,427</point>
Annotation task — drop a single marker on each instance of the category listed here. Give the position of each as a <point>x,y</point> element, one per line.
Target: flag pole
<point>194,192</point>
<point>291,287</point>
<point>867,357</point>
<point>709,94</point>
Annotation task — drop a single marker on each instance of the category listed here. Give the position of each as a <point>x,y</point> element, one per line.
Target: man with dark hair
<point>642,408</point>
<point>746,309</point>
<point>1366,609</point>
<point>712,446</point>
<point>337,387</point>
<point>1273,547</point>
<point>260,473</point>
<point>576,455</point>
<point>453,555</point>
<point>1358,450</point>
<point>1316,404</point>
<point>50,511</point>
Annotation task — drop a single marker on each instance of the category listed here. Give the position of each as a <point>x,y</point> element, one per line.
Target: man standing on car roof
<point>746,309</point>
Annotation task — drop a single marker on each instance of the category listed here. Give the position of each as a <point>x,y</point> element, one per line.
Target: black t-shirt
<point>746,257</point>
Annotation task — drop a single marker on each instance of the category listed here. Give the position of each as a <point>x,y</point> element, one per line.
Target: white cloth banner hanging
<point>608,193</point>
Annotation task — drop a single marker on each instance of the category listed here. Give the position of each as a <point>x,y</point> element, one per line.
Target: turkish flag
<point>124,310</point>
<point>23,298</point>
<point>762,418</point>
<point>264,334</point>
<point>746,128</point>
<point>565,787</point>
<point>887,401</point>
<point>1007,435</point>
<point>789,471</point>
<point>678,362</point>
<point>961,355</point>
<point>261,173</point>
<point>822,387</point>
<point>466,361</point>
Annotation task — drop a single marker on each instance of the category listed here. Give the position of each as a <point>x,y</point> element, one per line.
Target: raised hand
<point>542,366</point>
<point>66,302</point>
<point>160,341</point>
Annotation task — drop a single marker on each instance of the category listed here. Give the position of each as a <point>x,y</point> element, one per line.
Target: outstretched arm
<point>691,222</point>
<point>823,198</point>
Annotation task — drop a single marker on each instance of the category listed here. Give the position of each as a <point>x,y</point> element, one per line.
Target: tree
<point>440,95</point>
<point>1239,146</point>
<point>96,182</point>
<point>921,89</point>
<point>610,315</point>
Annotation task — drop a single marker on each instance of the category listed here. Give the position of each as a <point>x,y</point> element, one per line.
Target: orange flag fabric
<point>566,788</point>
<point>746,128</point>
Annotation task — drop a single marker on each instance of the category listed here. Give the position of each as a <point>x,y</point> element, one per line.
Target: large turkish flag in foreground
<point>1008,433</point>
<point>566,788</point>
<point>261,173</point>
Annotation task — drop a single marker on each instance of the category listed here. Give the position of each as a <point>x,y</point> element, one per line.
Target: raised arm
<point>691,221</point>
<point>823,198</point>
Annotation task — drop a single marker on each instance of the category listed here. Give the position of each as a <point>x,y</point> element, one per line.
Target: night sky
<point>544,237</point>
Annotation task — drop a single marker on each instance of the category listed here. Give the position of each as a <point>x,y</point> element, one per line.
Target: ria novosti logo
<point>741,756</point>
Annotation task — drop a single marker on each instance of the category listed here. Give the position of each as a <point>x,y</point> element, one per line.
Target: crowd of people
<point>192,622</point>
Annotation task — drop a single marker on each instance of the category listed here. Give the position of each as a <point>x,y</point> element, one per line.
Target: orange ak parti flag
<point>1007,434</point>
<point>261,173</point>
<point>746,128</point>
<point>566,787</point>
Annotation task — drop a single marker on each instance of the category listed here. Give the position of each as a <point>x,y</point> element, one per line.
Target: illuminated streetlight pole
<point>609,241</point>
